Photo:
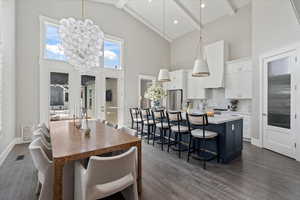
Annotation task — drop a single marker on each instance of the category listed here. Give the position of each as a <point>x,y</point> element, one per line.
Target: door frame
<point>262,59</point>
<point>140,78</point>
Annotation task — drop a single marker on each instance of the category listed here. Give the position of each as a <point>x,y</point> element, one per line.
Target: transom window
<point>52,50</point>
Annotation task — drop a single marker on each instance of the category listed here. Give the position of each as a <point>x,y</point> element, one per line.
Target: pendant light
<point>82,41</point>
<point>200,66</point>
<point>164,75</point>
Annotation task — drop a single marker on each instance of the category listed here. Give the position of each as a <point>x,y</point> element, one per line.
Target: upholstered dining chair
<point>159,119</point>
<point>197,124</point>
<point>136,119</point>
<point>38,133</point>
<point>106,176</point>
<point>42,160</point>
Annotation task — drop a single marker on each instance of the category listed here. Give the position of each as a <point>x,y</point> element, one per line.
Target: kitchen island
<point>230,130</point>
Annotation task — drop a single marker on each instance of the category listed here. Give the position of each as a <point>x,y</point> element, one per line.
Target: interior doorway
<point>111,100</point>
<point>144,83</point>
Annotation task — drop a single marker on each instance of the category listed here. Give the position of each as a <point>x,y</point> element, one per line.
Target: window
<point>112,54</point>
<point>112,48</point>
<point>53,49</point>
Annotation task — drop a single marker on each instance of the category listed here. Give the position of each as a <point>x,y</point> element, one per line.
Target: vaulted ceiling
<point>182,16</point>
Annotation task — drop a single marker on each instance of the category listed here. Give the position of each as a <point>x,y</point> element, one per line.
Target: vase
<point>155,104</point>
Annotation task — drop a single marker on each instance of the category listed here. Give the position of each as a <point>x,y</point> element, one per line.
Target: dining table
<point>70,144</point>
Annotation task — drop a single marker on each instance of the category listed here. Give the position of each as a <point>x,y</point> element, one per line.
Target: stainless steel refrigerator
<point>174,99</point>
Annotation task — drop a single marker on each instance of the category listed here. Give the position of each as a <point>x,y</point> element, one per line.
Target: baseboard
<point>7,150</point>
<point>256,142</point>
<point>9,147</point>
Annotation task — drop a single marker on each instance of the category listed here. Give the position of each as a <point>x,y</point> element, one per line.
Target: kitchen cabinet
<point>238,79</point>
<point>216,56</point>
<point>195,87</point>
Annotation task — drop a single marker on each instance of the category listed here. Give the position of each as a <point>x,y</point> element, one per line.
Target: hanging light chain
<point>164,18</point>
<point>82,9</point>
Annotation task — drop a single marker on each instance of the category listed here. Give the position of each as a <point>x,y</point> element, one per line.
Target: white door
<point>279,108</point>
<point>111,96</point>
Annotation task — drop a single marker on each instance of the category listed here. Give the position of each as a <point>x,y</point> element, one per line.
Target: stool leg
<point>189,151</point>
<point>154,134</point>
<point>162,139</point>
<point>169,141</point>
<point>148,133</point>
<point>204,160</point>
<point>218,149</point>
<point>179,147</point>
<point>142,131</point>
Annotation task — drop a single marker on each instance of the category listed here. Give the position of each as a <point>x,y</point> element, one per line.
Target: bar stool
<point>200,121</point>
<point>159,120</point>
<point>148,121</point>
<point>175,123</point>
<point>136,119</point>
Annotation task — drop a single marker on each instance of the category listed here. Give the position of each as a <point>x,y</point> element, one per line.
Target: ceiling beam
<point>147,23</point>
<point>188,14</point>
<point>121,3</point>
<point>231,7</point>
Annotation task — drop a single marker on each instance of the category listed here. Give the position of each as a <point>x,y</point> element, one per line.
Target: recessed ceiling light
<point>149,1</point>
<point>175,21</point>
<point>203,5</point>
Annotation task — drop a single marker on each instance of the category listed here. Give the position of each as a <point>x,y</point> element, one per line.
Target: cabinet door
<point>195,88</point>
<point>231,85</point>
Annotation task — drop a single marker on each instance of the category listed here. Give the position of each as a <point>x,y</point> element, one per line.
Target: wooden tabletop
<point>68,141</point>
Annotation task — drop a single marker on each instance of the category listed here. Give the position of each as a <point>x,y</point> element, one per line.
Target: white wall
<point>8,76</point>
<point>145,51</point>
<point>235,30</point>
<point>274,25</point>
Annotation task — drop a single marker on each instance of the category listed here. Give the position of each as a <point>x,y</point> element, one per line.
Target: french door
<point>279,103</point>
<point>63,91</point>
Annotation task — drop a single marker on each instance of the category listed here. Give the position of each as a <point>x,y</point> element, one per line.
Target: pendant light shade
<point>164,75</point>
<point>200,68</point>
<point>200,65</point>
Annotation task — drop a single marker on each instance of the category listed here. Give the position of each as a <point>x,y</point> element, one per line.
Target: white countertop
<point>220,119</point>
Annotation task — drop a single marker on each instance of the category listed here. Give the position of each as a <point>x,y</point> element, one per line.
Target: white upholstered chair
<point>106,176</point>
<point>41,160</point>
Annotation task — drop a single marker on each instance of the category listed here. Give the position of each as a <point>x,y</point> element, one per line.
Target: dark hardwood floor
<point>258,175</point>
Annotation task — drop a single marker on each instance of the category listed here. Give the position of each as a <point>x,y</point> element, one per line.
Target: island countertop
<point>219,119</point>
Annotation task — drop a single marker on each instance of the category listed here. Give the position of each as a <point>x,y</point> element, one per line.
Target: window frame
<point>115,39</point>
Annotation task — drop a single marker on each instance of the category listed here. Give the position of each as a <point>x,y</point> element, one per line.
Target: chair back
<point>146,114</point>
<point>196,120</point>
<point>174,117</point>
<point>134,113</point>
<point>101,170</point>
<point>128,131</point>
<point>40,159</point>
<point>158,116</point>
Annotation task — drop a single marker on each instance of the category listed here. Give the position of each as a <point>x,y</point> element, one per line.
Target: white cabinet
<point>246,127</point>
<point>195,89</point>
<point>216,55</point>
<point>238,79</point>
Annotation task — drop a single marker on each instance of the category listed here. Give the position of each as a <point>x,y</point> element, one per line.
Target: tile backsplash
<point>216,99</point>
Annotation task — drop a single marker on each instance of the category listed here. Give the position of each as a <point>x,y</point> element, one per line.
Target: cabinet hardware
<point>295,116</point>
<point>295,144</point>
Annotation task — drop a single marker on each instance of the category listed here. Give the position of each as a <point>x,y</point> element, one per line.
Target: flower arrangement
<point>155,92</point>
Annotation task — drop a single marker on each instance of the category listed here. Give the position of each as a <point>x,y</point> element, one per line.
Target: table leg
<point>139,148</point>
<point>58,180</point>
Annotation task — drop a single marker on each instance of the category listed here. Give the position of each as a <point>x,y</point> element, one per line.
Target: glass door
<point>279,104</point>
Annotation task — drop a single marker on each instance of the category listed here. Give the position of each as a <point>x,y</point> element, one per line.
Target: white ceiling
<point>186,12</point>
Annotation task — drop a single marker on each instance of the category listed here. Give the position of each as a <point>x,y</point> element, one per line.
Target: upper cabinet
<point>195,89</point>
<point>216,54</point>
<point>238,79</point>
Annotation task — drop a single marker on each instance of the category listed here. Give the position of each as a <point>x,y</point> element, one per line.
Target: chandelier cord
<point>199,46</point>
<point>82,9</point>
<point>164,17</point>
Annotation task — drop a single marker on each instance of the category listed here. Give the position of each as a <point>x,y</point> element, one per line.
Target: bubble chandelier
<point>82,41</point>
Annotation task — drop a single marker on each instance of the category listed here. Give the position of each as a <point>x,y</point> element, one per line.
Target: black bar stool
<point>175,123</point>
<point>159,120</point>
<point>148,121</point>
<point>199,134</point>
<point>136,119</point>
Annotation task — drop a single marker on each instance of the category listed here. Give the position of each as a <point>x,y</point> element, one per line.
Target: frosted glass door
<point>279,93</point>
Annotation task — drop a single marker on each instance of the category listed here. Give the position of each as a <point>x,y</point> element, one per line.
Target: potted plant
<point>155,93</point>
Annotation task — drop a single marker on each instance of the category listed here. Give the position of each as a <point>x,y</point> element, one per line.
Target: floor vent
<point>20,157</point>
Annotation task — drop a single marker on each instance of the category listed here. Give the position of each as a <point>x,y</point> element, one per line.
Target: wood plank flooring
<point>258,175</point>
